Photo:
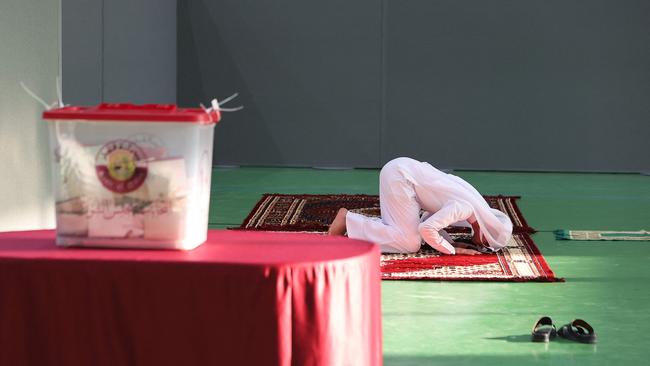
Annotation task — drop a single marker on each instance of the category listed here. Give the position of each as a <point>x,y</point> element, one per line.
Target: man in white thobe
<point>406,187</point>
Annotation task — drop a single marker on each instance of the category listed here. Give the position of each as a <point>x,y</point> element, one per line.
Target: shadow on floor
<point>533,358</point>
<point>521,338</point>
<point>525,338</point>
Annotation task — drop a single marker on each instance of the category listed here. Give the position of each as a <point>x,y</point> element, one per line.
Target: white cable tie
<point>59,93</point>
<point>36,97</point>
<point>234,109</point>
<point>229,99</point>
<point>215,104</point>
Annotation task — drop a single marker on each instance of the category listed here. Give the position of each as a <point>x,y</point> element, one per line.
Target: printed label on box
<point>121,166</point>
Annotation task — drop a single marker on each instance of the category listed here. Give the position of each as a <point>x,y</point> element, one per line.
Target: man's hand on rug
<point>465,251</point>
<point>464,248</point>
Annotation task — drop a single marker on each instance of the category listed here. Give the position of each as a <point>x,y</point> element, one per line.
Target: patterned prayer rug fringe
<point>641,235</point>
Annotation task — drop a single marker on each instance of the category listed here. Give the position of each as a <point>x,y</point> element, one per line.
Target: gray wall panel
<point>308,73</point>
<point>81,44</point>
<point>140,51</point>
<point>500,84</point>
<point>119,51</point>
<point>532,85</point>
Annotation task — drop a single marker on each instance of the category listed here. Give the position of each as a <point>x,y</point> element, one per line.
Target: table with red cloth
<point>242,298</point>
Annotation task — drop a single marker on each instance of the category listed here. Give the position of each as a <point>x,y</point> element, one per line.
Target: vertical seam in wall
<point>177,40</point>
<point>60,45</point>
<point>382,78</point>
<point>175,70</point>
<point>101,55</point>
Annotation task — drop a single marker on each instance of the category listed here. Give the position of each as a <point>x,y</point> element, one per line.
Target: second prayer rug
<point>520,260</point>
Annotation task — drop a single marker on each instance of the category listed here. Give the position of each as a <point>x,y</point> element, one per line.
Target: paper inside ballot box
<point>166,179</point>
<point>160,220</point>
<point>72,224</point>
<point>116,224</point>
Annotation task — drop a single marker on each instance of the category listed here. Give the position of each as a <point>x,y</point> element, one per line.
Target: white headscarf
<point>495,225</point>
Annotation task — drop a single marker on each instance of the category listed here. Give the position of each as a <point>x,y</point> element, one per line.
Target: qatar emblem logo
<point>121,166</point>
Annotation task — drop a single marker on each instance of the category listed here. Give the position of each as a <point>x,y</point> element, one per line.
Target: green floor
<point>451,323</point>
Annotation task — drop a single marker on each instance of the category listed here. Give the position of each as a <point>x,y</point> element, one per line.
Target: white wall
<point>29,52</point>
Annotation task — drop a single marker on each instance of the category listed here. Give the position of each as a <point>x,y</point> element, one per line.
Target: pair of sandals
<point>578,330</point>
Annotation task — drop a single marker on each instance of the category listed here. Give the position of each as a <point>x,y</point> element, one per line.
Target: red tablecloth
<point>242,298</point>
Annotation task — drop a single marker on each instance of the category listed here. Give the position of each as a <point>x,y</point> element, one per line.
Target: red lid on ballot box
<point>135,113</point>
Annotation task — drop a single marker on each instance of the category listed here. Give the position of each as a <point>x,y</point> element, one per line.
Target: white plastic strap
<point>229,98</point>
<point>36,97</point>
<point>59,93</point>
<point>216,106</point>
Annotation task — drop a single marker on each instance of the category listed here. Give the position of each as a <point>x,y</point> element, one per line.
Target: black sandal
<point>544,330</point>
<point>578,331</point>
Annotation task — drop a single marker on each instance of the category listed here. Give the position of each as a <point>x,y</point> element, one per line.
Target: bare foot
<point>337,227</point>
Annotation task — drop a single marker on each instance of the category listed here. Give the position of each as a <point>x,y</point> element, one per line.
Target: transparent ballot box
<point>133,176</point>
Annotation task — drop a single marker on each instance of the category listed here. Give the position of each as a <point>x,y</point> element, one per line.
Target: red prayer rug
<point>519,261</point>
